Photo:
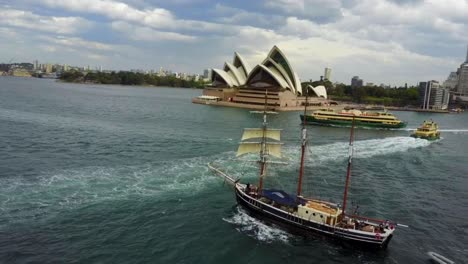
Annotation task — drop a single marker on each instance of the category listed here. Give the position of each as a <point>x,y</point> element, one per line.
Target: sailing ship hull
<point>304,227</point>
<point>359,122</point>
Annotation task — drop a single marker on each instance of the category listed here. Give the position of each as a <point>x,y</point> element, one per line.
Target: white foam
<point>455,131</point>
<point>256,228</point>
<point>362,149</point>
<point>67,189</point>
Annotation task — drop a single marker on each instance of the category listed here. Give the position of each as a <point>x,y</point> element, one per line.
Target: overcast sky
<point>382,41</point>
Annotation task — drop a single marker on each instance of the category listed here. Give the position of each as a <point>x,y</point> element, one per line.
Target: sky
<point>382,41</point>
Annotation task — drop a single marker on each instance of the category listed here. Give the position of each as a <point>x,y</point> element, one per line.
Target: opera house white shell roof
<point>274,71</point>
<point>320,90</point>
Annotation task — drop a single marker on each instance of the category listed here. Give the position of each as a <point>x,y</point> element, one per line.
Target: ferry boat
<point>294,211</point>
<point>346,117</point>
<point>428,130</point>
<point>208,99</point>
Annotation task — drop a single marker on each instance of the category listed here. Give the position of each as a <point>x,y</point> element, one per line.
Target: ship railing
<point>374,220</point>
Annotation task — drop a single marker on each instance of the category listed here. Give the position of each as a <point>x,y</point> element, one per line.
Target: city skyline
<point>394,42</point>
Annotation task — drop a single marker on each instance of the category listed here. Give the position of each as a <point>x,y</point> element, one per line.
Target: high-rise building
<point>36,65</point>
<point>462,86</point>
<point>48,68</point>
<point>207,73</point>
<point>433,96</point>
<point>356,82</point>
<point>452,81</point>
<point>327,74</point>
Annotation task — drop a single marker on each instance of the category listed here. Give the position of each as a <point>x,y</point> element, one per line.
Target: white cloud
<point>76,42</point>
<point>148,34</point>
<point>320,10</point>
<point>29,20</point>
<point>236,16</point>
<point>152,17</point>
<point>380,40</point>
<point>96,57</point>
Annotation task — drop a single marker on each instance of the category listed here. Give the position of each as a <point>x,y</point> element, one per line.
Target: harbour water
<point>115,174</point>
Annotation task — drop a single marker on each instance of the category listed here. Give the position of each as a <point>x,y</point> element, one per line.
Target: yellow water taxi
<point>428,130</point>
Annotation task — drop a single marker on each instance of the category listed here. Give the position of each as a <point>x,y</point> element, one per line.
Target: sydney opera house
<point>238,84</point>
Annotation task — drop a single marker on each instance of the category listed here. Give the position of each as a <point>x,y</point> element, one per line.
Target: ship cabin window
<point>313,214</point>
<point>307,212</point>
<point>321,216</point>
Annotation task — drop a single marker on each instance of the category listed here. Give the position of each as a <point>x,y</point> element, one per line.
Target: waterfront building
<point>232,75</point>
<point>19,72</point>
<point>242,86</point>
<point>462,86</point>
<point>274,73</point>
<point>433,96</point>
<point>207,74</point>
<point>327,74</point>
<point>320,90</point>
<point>452,81</point>
<point>356,82</point>
<point>48,68</point>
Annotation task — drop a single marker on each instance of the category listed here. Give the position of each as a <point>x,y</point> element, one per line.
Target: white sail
<point>272,148</point>
<point>258,133</point>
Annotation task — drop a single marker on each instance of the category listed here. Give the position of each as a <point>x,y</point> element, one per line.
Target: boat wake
<point>362,149</point>
<point>455,131</point>
<point>26,198</point>
<point>255,228</point>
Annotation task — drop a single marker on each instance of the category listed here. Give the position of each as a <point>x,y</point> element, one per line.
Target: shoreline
<point>394,108</point>
<point>129,85</point>
<point>261,107</point>
<point>301,108</point>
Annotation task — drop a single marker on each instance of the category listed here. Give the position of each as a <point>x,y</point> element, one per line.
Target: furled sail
<point>258,133</point>
<point>272,148</point>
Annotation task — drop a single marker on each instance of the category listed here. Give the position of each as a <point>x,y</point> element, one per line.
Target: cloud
<point>237,16</point>
<point>31,21</point>
<point>391,41</point>
<point>315,10</point>
<point>115,10</point>
<point>75,42</point>
<point>147,34</point>
<point>158,18</point>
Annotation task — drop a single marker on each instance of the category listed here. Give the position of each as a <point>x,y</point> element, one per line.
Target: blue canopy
<point>280,197</point>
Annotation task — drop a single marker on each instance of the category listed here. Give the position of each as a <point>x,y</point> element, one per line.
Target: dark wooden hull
<point>303,227</point>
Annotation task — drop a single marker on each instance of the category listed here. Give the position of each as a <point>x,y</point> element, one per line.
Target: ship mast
<point>348,173</point>
<point>263,151</point>
<point>303,147</point>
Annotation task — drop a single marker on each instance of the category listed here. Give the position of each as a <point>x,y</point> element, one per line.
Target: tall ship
<point>296,212</point>
<point>347,117</point>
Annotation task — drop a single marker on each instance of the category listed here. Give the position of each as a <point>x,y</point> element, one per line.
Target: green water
<point>114,174</point>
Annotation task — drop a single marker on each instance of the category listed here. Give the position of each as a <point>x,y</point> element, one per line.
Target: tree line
<point>396,96</point>
<point>129,78</point>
